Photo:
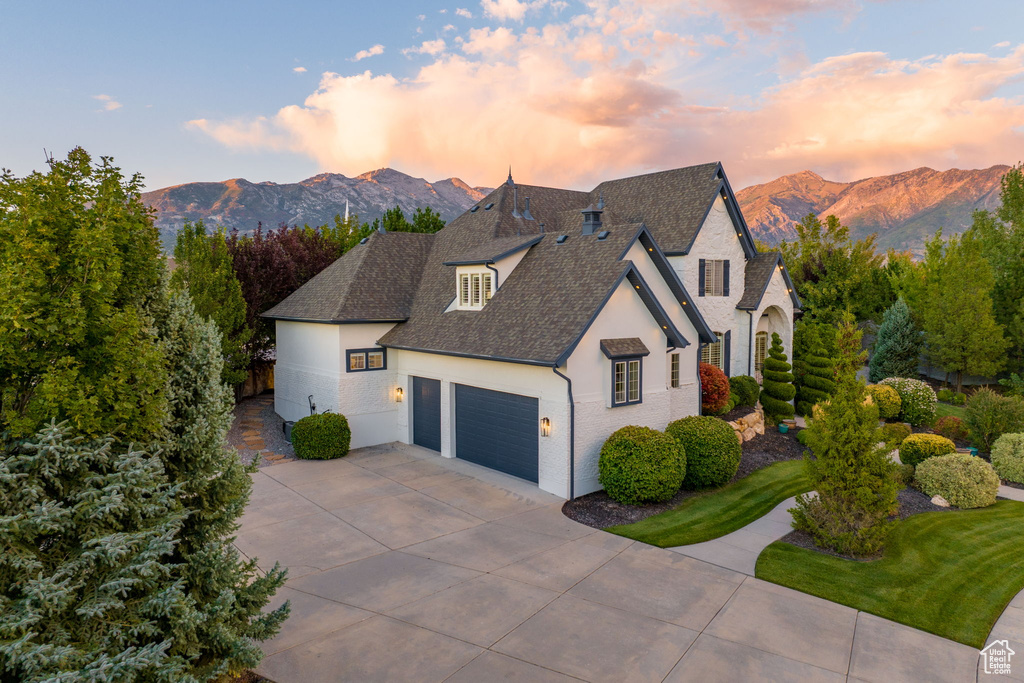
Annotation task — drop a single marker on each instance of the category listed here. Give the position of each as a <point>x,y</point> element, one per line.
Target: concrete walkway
<point>408,566</point>
<point>738,551</point>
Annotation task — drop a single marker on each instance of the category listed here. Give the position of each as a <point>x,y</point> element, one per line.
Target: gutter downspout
<point>750,344</point>
<point>572,437</point>
<point>495,271</point>
<point>700,387</point>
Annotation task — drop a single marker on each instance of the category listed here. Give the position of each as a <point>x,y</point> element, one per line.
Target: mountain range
<point>903,209</point>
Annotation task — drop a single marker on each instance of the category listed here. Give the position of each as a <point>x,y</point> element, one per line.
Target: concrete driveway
<point>407,566</point>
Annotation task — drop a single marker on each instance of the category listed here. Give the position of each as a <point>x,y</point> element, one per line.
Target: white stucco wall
<point>778,304</point>
<point>625,315</point>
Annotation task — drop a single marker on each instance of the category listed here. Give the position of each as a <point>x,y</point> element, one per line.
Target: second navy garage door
<point>497,430</point>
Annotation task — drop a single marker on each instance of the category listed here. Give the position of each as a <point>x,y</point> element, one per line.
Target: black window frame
<point>365,353</point>
<point>640,380</point>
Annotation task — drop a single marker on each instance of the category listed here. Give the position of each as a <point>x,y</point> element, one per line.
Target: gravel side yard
<point>257,433</point>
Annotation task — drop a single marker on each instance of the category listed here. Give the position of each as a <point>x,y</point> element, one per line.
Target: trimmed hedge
<point>746,389</point>
<point>641,465</point>
<point>712,450</point>
<point>895,433</point>
<point>963,480</point>
<point>951,427</point>
<point>989,415</point>
<point>1008,457</point>
<point>887,400</point>
<point>778,382</point>
<point>917,400</point>
<point>714,389</point>
<point>321,437</point>
<point>917,448</point>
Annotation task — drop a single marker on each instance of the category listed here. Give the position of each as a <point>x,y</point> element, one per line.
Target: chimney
<point>526,211</point>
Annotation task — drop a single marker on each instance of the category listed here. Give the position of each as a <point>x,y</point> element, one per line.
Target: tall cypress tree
<point>898,347</point>
<point>778,389</point>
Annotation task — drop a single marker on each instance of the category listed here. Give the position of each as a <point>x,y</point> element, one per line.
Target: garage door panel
<point>497,430</point>
<point>426,413</point>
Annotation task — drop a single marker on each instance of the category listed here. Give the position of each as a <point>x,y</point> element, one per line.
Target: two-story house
<point>537,323</point>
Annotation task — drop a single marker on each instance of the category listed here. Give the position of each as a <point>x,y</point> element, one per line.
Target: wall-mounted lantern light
<point>399,394</point>
<point>545,427</point>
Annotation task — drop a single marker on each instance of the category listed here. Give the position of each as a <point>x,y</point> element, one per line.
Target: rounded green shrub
<point>959,398</point>
<point>895,433</point>
<point>641,465</point>
<point>917,400</point>
<point>945,395</point>
<point>951,427</point>
<point>712,450</point>
<point>321,437</point>
<point>917,448</point>
<point>1008,457</point>
<point>746,389</point>
<point>778,388</point>
<point>887,400</point>
<point>963,480</point>
<point>989,415</point>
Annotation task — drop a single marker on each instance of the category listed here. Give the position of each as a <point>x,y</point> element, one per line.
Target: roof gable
<point>758,275</point>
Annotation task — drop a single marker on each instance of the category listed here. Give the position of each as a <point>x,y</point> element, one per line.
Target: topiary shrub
<point>746,389</point>
<point>989,415</point>
<point>917,400</point>
<point>641,465</point>
<point>951,427</point>
<point>817,383</point>
<point>714,389</point>
<point>712,450</point>
<point>321,437</point>
<point>917,448</point>
<point>778,382</point>
<point>895,433</point>
<point>887,400</point>
<point>963,480</point>
<point>1008,457</point>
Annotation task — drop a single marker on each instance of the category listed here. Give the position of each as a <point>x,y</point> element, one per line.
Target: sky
<point>566,93</point>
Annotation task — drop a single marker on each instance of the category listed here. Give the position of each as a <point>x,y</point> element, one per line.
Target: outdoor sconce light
<point>545,427</point>
<point>399,393</point>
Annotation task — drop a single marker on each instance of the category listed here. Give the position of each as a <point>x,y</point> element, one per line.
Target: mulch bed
<point>598,510</point>
<point>736,413</point>
<point>912,502</point>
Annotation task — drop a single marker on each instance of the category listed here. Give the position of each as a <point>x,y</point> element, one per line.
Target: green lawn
<point>720,511</point>
<point>948,573</point>
<point>944,409</point>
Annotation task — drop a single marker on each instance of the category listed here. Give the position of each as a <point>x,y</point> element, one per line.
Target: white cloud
<point>377,49</point>
<point>509,9</point>
<point>1005,43</point>
<point>421,17</point>
<point>429,47</point>
<point>109,103</point>
<point>463,12</point>
<point>299,69</point>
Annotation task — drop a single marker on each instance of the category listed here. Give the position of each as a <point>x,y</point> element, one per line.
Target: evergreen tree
<point>898,346</point>
<point>85,583</point>
<point>853,478</point>
<point>961,331</point>
<point>79,267</point>
<point>203,267</point>
<point>818,381</point>
<point>778,387</point>
<point>426,220</point>
<point>227,591</point>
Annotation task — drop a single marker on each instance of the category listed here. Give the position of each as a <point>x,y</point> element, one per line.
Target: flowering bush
<point>917,400</point>
<point>714,389</point>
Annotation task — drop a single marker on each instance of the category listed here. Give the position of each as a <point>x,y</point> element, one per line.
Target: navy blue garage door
<point>497,430</point>
<point>426,413</point>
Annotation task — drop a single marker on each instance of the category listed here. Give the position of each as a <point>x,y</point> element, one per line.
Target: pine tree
<point>203,267</point>
<point>853,478</point>
<point>778,387</point>
<point>818,382</point>
<point>898,347</point>
<point>85,580</point>
<point>227,591</point>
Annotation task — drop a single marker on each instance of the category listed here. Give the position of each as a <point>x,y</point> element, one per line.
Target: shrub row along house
<point>537,323</point>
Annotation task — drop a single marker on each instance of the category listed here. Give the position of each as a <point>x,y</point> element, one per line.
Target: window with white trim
<point>360,360</point>
<point>626,381</point>
<point>760,350</point>
<point>673,370</point>
<point>712,353</point>
<point>475,290</point>
<point>714,278</point>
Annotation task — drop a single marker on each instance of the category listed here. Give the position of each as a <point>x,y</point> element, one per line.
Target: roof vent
<point>526,211</point>
<point>364,240</point>
<point>561,239</point>
<point>603,235</point>
<point>592,217</point>
<point>475,209</point>
<point>489,206</point>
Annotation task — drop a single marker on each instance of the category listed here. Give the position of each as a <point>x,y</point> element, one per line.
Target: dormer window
<point>475,290</point>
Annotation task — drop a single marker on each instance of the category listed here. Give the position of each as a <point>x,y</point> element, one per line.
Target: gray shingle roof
<point>620,348</point>
<point>758,274</point>
<point>494,250</point>
<point>372,281</point>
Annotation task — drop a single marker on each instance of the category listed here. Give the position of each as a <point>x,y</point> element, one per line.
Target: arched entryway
<point>772,320</point>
